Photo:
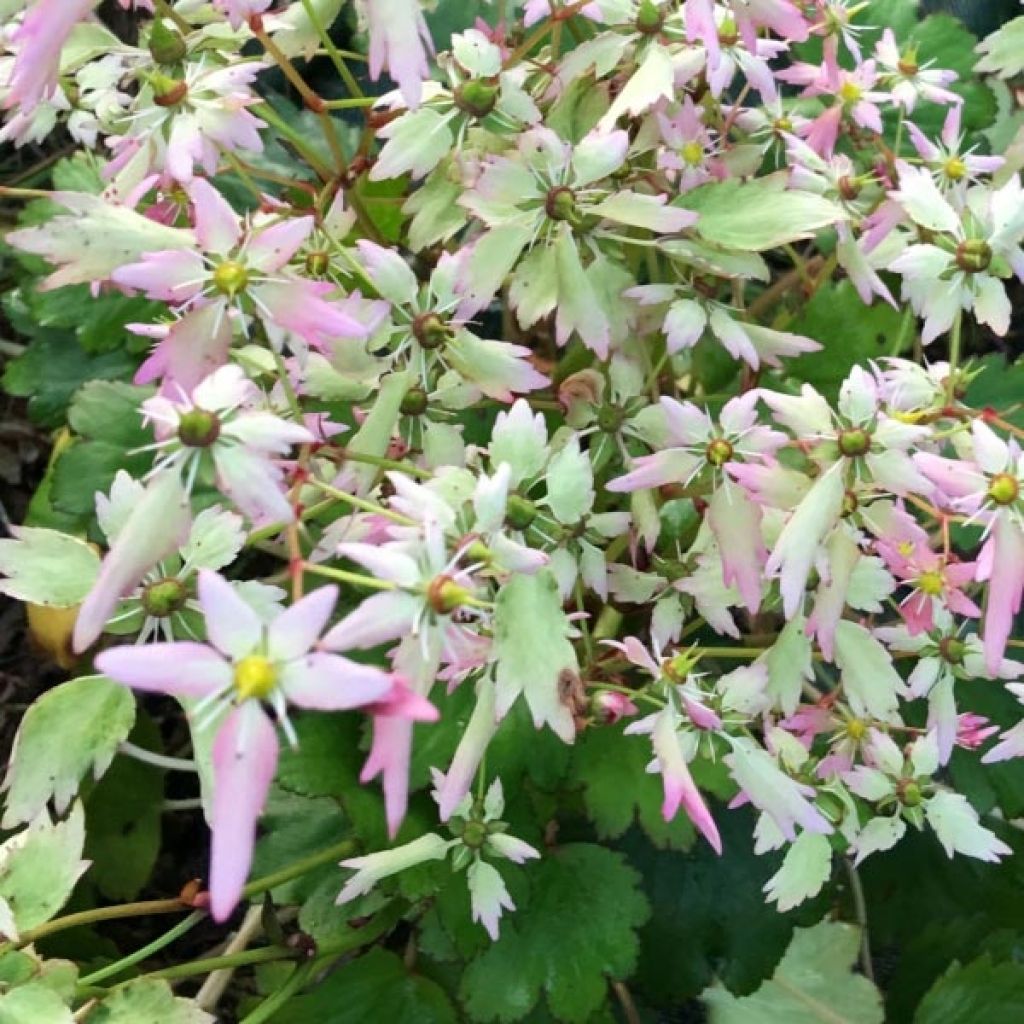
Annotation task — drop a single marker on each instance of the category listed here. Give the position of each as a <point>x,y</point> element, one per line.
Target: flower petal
<point>180,669</point>
<point>329,682</point>
<point>295,630</point>
<point>232,625</point>
<point>244,761</point>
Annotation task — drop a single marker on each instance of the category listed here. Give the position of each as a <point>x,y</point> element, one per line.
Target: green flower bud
<point>974,255</point>
<point>431,331</point>
<point>166,44</point>
<point>718,452</point>
<point>474,834</point>
<point>444,595</point>
<point>519,512</point>
<point>649,18</point>
<point>854,442</point>
<point>164,598</point>
<point>560,205</point>
<point>198,428</point>
<point>167,91</point>
<point>414,402</point>
<point>476,97</point>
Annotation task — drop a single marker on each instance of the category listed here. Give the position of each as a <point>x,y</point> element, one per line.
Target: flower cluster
<point>538,432</point>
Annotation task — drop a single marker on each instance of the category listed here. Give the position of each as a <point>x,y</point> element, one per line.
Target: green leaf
<point>80,172</point>
<point>944,41</point>
<point>148,1002</point>
<point>814,984</point>
<point>53,368</point>
<point>110,411</point>
<point>87,467</point>
<point>1003,51</point>
<point>577,931</point>
<point>999,385</point>
<point>850,333</point>
<point>924,958</point>
<point>34,1003</point>
<point>295,827</point>
<point>602,760</point>
<point>39,867</point>
<point>981,991</point>
<point>759,214</point>
<point>47,567</point>
<point>709,915</point>
<point>376,986</point>
<point>70,731</point>
<point>532,650</point>
<point>123,813</point>
<point>106,414</point>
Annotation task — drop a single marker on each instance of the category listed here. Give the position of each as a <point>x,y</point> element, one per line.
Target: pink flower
<point>243,270</point>
<point>154,529</point>
<point>972,730</point>
<point>679,787</point>
<point>245,665</point>
<point>240,11</point>
<point>400,42</point>
<point>855,97</point>
<point>217,419</point>
<point>39,42</point>
<point>993,490</point>
<point>209,115</point>
<point>935,582</point>
<point>909,81</point>
<point>949,163</point>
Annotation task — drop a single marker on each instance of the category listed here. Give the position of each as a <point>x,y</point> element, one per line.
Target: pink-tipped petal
<point>1005,588</point>
<point>295,630</point>
<point>244,762</point>
<point>170,276</point>
<point>180,669</point>
<point>389,756</point>
<point>377,620</point>
<point>735,521</point>
<point>156,526</point>
<point>273,248</point>
<point>217,225</point>
<point>329,682</point>
<point>231,624</point>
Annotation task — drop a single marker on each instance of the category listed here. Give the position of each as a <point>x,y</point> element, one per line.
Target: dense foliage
<point>556,527</point>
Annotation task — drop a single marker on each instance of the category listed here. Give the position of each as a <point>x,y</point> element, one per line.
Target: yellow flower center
<point>255,676</point>
<point>931,583</point>
<point>955,169</point>
<point>230,277</point>
<point>850,92</point>
<point>692,153</point>
<point>856,729</point>
<point>1004,489</point>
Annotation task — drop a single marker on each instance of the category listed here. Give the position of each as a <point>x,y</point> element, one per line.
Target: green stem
<point>379,460</point>
<point>370,932</point>
<point>184,925</point>
<point>263,955</point>
<point>97,914</point>
<point>362,503</point>
<point>289,391</point>
<point>955,338</point>
<point>351,103</point>
<point>344,576</point>
<point>301,867</point>
<point>332,51</point>
<point>299,144</point>
<point>166,10</point>
<point>266,1010</point>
